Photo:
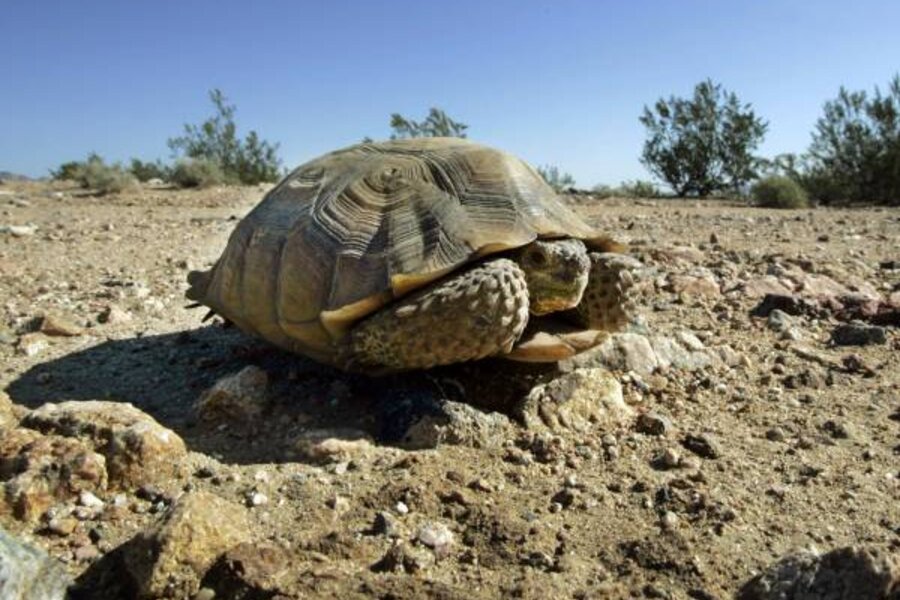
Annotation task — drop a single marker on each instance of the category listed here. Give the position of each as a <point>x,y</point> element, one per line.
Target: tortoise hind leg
<point>469,315</point>
<point>607,302</point>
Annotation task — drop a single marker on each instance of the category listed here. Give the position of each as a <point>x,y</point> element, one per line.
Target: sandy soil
<point>804,441</point>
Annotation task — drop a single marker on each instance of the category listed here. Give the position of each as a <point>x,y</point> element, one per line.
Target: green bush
<point>556,179</point>
<point>94,174</point>
<point>145,171</point>
<point>196,172</point>
<point>248,161</point>
<point>638,189</point>
<point>68,171</point>
<point>436,124</point>
<point>779,191</point>
<point>702,145</point>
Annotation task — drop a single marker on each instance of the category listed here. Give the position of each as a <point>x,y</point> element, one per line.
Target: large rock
<point>844,574</point>
<point>27,573</point>
<point>239,397</point>
<point>37,471</point>
<point>635,352</point>
<point>456,423</point>
<point>170,559</point>
<point>251,570</point>
<point>138,450</point>
<point>576,401</point>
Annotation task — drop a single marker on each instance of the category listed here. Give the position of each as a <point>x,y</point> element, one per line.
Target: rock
<point>334,445</point>
<point>386,524</point>
<point>238,398</point>
<point>456,423</point>
<point>251,570</point>
<point>675,254</point>
<point>778,320</point>
<point>27,573</point>
<point>138,450</point>
<point>653,423</point>
<point>58,325</point>
<point>685,351</point>
<point>621,352</point>
<point>436,536</point>
<point>850,573</point>
<point>702,445</point>
<point>578,401</point>
<point>858,334</point>
<point>702,284</point>
<point>39,470</point>
<point>18,230</point>
<point>766,286</point>
<point>32,344</point>
<point>170,559</point>
<point>8,413</point>
<point>401,557</point>
<point>113,315</point>
<point>787,304</point>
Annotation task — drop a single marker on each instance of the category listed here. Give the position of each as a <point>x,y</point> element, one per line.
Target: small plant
<point>436,124</point>
<point>559,181</point>
<point>638,189</point>
<point>68,171</point>
<point>196,173</point>
<point>94,174</point>
<point>779,191</point>
<point>145,171</point>
<point>248,161</point>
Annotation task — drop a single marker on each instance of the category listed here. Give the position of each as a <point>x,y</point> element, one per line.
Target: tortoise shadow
<point>163,375</point>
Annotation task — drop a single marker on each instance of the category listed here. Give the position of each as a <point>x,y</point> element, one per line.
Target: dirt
<point>794,443</point>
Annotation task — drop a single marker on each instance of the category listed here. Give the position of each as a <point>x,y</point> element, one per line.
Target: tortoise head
<point>556,272</point>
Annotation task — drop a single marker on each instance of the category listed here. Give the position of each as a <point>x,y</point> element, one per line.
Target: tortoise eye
<point>536,258</point>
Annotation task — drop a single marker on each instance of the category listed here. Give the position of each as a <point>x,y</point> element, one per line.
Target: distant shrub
<point>145,171</point>
<point>556,179</point>
<point>249,161</point>
<point>638,189</point>
<point>68,171</point>
<point>601,190</point>
<point>436,124</point>
<point>779,191</point>
<point>94,174</point>
<point>196,172</point>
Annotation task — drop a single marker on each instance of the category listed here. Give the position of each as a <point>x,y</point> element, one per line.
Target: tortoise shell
<point>346,233</point>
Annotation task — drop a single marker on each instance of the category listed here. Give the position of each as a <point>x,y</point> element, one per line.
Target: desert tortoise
<point>414,253</point>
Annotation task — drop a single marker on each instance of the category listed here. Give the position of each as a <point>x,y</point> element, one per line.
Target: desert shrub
<point>196,172</point>
<point>145,171</point>
<point>855,151</point>
<point>436,124</point>
<point>638,189</point>
<point>555,178</point>
<point>94,174</point>
<point>248,161</point>
<point>601,190</point>
<point>704,144</point>
<point>779,191</point>
<point>68,171</point>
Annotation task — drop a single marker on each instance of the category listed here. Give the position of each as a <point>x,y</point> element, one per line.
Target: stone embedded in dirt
<point>38,471</point>
<point>703,445</point>
<point>778,320</point>
<point>251,570</point>
<point>334,445</point>
<point>858,334</point>
<point>850,573</point>
<point>634,352</point>
<point>237,398</point>
<point>455,423</point>
<point>138,450</point>
<point>702,283</point>
<point>653,423</point>
<point>18,230</point>
<point>114,315</point>
<point>436,536</point>
<point>767,285</point>
<point>32,344</point>
<point>27,573</point>
<point>788,304</point>
<point>403,558</point>
<point>59,325</point>
<point>578,401</point>
<point>675,254</point>
<point>8,414</point>
<point>386,524</point>
<point>170,559</point>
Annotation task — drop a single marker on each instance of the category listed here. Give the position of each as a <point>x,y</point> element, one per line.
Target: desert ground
<point>725,431</point>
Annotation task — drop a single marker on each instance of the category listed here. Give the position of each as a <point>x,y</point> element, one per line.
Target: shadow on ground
<point>163,375</point>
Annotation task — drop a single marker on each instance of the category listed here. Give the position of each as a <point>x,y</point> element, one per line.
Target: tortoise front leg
<point>468,315</point>
<point>607,302</point>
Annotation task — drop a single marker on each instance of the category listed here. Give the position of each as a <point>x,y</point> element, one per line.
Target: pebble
<point>778,320</point>
<point>653,423</point>
<point>339,504</point>
<point>858,334</point>
<point>670,458</point>
<point>32,344</point>
<point>702,445</point>
<point>88,499</point>
<point>435,535</point>
<point>57,325</point>
<point>401,508</point>
<point>669,520</point>
<point>62,525</point>
<point>258,499</point>
<point>386,524</point>
<point>775,434</point>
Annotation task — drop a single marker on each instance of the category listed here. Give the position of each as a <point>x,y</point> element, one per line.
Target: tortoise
<point>412,253</point>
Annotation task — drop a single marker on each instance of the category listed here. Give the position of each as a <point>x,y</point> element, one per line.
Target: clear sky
<point>555,81</point>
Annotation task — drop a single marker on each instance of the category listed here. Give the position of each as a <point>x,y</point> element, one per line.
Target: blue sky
<point>555,81</point>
